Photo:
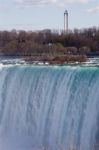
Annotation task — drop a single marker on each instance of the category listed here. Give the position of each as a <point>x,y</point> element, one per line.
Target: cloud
<point>52,2</point>
<point>93,10</point>
<point>35,2</point>
<point>77,1</point>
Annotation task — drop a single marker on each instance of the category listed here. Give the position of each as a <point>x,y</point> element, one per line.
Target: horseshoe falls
<point>52,107</point>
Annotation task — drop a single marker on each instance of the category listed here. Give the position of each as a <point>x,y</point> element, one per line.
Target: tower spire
<point>66,21</point>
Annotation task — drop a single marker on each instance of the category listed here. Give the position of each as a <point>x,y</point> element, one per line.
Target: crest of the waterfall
<point>54,107</point>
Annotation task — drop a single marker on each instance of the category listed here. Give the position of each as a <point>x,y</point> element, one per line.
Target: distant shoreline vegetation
<point>50,46</point>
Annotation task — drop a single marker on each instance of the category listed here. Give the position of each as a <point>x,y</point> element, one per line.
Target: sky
<point>48,14</point>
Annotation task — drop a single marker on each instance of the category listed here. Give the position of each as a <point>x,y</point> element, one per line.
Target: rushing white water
<point>53,107</point>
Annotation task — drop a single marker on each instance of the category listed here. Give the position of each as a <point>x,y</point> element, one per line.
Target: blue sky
<point>47,14</point>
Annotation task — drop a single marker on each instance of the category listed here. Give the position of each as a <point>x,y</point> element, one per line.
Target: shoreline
<point>50,58</point>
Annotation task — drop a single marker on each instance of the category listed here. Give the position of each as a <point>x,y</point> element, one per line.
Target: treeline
<point>47,42</point>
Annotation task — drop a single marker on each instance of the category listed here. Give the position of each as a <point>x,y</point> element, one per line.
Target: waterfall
<point>50,106</point>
